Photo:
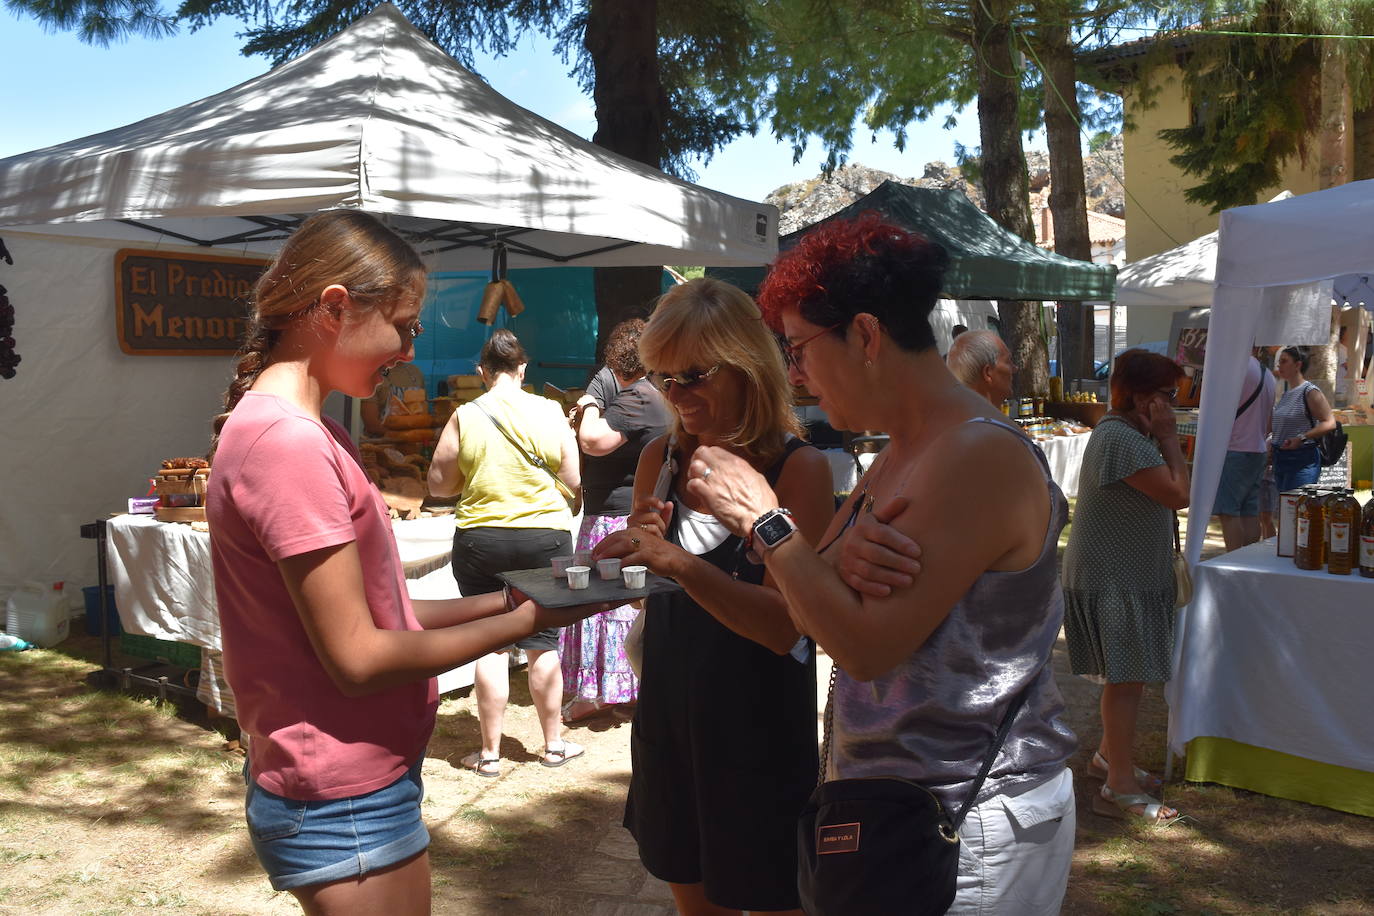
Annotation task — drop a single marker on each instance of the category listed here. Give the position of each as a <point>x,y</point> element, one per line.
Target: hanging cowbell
<point>513,304</point>
<point>499,291</point>
<point>496,294</point>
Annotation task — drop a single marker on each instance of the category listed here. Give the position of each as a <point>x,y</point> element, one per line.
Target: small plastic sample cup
<point>579,576</point>
<point>582,558</point>
<point>609,568</point>
<point>634,576</point>
<point>560,567</point>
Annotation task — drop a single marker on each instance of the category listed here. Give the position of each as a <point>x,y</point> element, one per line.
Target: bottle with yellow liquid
<point>1310,552</point>
<point>1367,540</point>
<point>1342,532</point>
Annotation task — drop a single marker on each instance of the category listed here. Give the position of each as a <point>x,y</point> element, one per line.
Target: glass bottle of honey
<point>1342,527</point>
<point>1310,551</point>
<point>1367,540</point>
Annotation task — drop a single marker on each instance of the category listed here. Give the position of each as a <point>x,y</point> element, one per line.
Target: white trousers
<point>1016,850</point>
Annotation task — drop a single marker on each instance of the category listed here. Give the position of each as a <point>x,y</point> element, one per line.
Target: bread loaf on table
<point>413,435</point>
<point>410,421</point>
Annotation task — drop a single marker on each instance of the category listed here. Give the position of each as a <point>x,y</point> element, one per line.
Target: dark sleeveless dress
<point>723,748</point>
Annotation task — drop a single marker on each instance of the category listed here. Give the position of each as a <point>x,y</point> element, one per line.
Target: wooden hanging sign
<point>182,304</point>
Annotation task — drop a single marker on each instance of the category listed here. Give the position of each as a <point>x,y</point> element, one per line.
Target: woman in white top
<point>1301,416</point>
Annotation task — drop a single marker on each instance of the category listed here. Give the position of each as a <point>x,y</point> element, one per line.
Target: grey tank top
<point>933,718</point>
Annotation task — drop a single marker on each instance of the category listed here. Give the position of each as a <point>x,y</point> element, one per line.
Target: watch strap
<point>755,550</point>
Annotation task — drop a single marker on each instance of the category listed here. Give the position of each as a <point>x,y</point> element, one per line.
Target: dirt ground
<point>111,804</point>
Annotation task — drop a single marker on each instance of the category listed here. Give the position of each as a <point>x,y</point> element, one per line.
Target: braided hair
<point>349,248</point>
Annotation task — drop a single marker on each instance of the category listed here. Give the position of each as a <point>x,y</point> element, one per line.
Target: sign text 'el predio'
<point>182,304</point>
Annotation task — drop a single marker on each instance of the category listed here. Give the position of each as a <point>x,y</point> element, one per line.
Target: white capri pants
<point>1016,850</point>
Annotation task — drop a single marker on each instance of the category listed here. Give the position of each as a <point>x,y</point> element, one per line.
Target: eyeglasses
<point>415,329</point>
<point>1169,393</point>
<point>792,354</point>
<point>689,379</point>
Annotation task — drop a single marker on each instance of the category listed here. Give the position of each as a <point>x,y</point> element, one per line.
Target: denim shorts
<point>1296,467</point>
<point>301,843</point>
<point>1238,490</point>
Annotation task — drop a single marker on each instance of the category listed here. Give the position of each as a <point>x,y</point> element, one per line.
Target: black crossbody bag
<point>1330,446</point>
<point>881,845</point>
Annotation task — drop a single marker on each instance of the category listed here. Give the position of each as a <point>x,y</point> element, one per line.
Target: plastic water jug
<point>38,613</point>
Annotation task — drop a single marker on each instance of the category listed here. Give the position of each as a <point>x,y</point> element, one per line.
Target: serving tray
<point>548,591</point>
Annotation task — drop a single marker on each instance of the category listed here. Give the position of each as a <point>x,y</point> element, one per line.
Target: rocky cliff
<point>806,202</point>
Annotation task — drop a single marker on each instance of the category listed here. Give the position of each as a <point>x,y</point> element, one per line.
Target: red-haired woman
<point>928,670</point>
<point>1118,572</point>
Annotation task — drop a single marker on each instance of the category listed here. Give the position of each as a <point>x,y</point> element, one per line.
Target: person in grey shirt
<point>931,664</point>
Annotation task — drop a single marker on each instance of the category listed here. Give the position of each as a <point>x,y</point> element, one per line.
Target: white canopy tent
<point>376,118</point>
<point>380,119</point>
<point>1181,277</point>
<point>1273,260</point>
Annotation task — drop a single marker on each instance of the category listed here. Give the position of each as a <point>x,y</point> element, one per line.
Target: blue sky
<point>57,89</point>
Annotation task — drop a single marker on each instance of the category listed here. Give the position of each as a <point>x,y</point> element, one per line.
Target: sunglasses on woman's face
<point>689,379</point>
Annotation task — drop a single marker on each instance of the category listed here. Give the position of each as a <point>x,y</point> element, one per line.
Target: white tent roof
<point>1176,278</point>
<point>1181,277</point>
<point>378,118</point>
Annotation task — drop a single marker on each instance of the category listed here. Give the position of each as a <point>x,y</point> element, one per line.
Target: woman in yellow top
<point>511,515</point>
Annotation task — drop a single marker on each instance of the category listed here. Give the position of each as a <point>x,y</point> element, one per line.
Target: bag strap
<point>1254,394</point>
<point>1178,543</point>
<point>983,771</point>
<point>534,460</point>
<point>1311,420</point>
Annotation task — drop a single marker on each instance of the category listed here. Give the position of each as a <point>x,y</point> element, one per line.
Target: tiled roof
<point>1103,229</point>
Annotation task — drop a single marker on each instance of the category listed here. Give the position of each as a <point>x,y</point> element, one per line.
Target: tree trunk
<point>621,38</point>
<point>1334,168</point>
<point>1362,143</point>
<point>1006,185</point>
<point>1068,195</point>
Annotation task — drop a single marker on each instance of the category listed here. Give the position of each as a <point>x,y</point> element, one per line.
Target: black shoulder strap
<point>1254,394</point>
<point>775,471</point>
<point>1002,728</point>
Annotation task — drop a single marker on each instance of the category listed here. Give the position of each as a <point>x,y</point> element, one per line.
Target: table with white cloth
<point>1064,454</point>
<point>1065,457</point>
<point>1270,690</point>
<point>164,584</point>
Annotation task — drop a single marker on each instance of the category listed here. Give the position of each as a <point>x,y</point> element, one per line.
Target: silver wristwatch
<point>771,529</point>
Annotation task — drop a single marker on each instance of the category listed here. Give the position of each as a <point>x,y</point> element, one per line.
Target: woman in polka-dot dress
<point>1118,569</point>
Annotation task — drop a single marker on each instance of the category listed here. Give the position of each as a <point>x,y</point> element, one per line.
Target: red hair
<point>1138,372</point>
<point>865,264</point>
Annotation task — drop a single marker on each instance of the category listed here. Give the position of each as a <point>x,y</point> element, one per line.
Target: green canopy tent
<point>986,261</point>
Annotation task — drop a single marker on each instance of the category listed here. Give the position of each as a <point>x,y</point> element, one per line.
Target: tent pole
<point>1111,337</point>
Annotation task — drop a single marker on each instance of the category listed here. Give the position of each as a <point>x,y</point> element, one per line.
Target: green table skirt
<point>1257,769</point>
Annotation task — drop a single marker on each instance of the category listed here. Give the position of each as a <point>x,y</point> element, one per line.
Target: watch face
<point>773,529</point>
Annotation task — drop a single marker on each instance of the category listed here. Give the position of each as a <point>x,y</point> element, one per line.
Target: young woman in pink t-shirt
<point>331,667</point>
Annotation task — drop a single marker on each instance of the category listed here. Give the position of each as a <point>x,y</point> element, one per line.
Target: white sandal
<point>1097,769</point>
<point>1119,804</point>
<point>561,755</point>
